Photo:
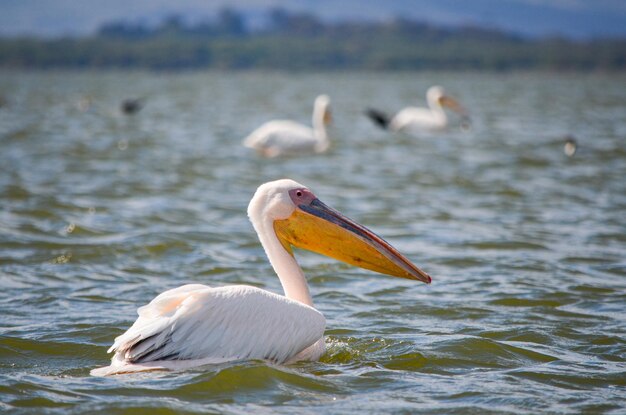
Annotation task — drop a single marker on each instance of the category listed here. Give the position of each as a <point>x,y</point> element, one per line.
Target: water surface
<point>100,212</point>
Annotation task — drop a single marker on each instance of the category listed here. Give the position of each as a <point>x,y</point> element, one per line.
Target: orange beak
<point>316,227</point>
<point>453,104</point>
<point>328,117</point>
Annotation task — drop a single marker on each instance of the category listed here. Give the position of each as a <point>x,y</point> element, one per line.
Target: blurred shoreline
<point>303,42</point>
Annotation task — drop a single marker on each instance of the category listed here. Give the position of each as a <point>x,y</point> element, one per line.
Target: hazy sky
<point>574,18</point>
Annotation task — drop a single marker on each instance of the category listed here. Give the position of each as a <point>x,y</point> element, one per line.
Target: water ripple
<point>525,314</point>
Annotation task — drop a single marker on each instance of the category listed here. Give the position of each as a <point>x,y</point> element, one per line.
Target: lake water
<point>100,212</point>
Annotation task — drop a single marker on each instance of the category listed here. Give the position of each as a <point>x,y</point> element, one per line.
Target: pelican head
<point>296,217</point>
<point>322,107</point>
<point>437,97</point>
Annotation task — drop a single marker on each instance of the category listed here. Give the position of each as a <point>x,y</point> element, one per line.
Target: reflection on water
<point>101,211</point>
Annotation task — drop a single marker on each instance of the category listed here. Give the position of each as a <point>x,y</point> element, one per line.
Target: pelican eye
<point>300,196</point>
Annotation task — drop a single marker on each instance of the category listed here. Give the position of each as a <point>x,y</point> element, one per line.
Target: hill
<point>303,42</point>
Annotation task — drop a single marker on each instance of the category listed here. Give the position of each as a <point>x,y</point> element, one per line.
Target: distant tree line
<point>303,42</point>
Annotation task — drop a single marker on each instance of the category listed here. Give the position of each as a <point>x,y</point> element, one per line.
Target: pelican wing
<point>282,136</point>
<point>196,322</point>
<point>415,117</point>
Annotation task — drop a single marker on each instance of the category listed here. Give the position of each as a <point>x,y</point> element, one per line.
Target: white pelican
<point>415,118</point>
<point>195,325</point>
<point>570,146</point>
<point>284,137</point>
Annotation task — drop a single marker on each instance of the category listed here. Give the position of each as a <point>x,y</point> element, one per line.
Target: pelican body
<point>285,137</point>
<point>195,325</point>
<point>418,118</point>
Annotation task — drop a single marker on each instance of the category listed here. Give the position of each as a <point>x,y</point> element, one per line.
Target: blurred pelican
<point>570,146</point>
<point>415,118</point>
<point>195,325</point>
<point>131,106</point>
<point>284,137</point>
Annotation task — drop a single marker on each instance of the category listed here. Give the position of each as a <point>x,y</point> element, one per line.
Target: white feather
<point>412,119</point>
<point>285,137</point>
<point>195,323</point>
<point>415,118</point>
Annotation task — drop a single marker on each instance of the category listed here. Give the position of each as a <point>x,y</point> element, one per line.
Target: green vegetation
<point>303,42</point>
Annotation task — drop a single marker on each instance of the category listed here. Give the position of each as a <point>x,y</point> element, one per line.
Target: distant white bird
<point>570,146</point>
<point>195,325</point>
<point>415,118</point>
<point>284,137</point>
